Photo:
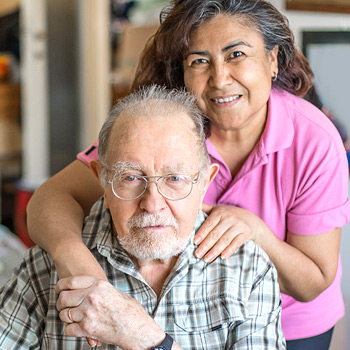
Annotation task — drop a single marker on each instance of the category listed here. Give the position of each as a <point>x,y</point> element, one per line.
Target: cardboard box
<point>10,101</point>
<point>133,40</point>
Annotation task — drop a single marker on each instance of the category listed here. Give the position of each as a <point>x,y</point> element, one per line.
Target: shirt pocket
<point>209,321</point>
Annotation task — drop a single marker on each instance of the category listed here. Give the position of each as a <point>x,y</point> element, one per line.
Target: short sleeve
<point>322,204</point>
<point>89,154</point>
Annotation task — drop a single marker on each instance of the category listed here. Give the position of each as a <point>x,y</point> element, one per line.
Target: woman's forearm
<point>306,265</point>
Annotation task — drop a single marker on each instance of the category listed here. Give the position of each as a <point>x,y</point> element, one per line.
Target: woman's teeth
<point>226,99</point>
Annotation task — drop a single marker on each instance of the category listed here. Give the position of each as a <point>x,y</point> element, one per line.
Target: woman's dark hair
<point>161,61</point>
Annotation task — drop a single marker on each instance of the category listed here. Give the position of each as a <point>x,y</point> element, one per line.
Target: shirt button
<point>224,182</point>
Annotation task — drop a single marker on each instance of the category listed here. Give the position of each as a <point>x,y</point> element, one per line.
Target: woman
<point>283,178</point>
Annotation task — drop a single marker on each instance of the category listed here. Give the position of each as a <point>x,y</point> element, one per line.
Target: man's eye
<point>129,178</point>
<point>175,178</point>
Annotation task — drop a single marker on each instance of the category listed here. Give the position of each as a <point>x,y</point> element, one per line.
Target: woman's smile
<point>229,71</point>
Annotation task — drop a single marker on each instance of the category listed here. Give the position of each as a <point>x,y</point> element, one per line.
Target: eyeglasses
<point>173,187</point>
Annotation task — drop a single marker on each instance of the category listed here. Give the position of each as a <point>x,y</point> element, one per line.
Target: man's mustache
<point>147,219</point>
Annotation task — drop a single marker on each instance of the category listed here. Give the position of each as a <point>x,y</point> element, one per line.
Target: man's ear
<point>208,178</point>
<point>96,168</point>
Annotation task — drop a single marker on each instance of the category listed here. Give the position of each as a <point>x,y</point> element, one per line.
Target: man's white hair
<point>160,101</point>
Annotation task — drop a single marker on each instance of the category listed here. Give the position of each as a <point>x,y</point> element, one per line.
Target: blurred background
<point>63,63</point>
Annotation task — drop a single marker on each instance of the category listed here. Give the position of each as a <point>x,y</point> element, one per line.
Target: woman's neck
<point>235,146</point>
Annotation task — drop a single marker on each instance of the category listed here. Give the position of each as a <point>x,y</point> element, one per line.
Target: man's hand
<point>101,312</point>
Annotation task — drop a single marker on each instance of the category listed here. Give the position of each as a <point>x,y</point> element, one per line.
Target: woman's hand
<point>306,264</point>
<point>225,230</point>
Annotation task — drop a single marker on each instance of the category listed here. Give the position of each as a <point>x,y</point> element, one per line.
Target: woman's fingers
<point>208,226</point>
<point>234,245</point>
<point>227,245</point>
<point>224,231</point>
<point>207,208</point>
<point>211,237</point>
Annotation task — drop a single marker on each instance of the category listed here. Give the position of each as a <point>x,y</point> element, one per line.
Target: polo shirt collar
<point>279,129</point>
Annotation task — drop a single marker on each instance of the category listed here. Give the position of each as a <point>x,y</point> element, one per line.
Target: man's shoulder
<point>247,266</point>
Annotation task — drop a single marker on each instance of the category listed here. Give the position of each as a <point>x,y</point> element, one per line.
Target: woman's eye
<point>236,54</point>
<point>199,61</point>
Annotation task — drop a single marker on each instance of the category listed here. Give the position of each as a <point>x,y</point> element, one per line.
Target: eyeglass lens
<point>171,186</point>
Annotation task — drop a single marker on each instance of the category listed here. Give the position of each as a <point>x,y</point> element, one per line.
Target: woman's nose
<point>221,75</point>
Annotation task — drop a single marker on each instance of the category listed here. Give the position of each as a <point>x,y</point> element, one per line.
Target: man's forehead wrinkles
<point>121,166</point>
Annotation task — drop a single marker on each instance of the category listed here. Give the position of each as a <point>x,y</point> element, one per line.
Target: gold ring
<point>69,315</point>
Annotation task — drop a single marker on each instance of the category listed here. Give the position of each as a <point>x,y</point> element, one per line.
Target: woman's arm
<point>55,215</point>
<point>306,265</point>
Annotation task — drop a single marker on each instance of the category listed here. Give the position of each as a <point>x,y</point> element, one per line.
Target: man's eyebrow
<point>177,169</point>
<point>121,166</point>
<point>225,49</point>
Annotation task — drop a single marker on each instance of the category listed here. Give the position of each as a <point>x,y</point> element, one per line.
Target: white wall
<point>306,20</point>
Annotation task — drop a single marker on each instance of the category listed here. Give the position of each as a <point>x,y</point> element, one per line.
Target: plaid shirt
<point>226,304</point>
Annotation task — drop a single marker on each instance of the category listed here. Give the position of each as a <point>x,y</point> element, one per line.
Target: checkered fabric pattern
<point>226,304</point>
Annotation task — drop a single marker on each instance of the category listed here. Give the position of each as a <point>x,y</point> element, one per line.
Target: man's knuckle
<point>63,298</point>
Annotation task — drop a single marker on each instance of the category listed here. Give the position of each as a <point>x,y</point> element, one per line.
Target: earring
<point>275,77</point>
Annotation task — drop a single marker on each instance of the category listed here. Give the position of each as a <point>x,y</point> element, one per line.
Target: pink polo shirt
<point>295,179</point>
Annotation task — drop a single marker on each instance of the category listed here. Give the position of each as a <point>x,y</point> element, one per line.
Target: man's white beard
<point>156,245</point>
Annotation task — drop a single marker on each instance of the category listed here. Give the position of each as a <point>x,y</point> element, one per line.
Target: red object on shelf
<point>22,198</point>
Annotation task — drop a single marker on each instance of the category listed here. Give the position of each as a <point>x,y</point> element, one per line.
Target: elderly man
<point>154,170</point>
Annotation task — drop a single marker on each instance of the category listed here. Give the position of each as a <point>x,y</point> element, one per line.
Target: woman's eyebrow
<point>233,45</point>
<point>199,53</point>
<point>225,49</point>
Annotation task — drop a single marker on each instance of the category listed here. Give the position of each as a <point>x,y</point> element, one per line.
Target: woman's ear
<point>208,178</point>
<point>273,56</point>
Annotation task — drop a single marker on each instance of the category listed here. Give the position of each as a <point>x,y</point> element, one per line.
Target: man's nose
<point>220,75</point>
<point>152,201</point>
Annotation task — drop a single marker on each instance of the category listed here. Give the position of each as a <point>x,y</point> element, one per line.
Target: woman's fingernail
<point>223,257</point>
<point>197,240</point>
<point>208,258</point>
<point>199,253</point>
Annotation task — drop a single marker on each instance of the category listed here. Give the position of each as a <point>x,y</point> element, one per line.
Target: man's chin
<point>154,245</point>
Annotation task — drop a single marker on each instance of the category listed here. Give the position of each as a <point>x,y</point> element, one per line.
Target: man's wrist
<point>166,344</point>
